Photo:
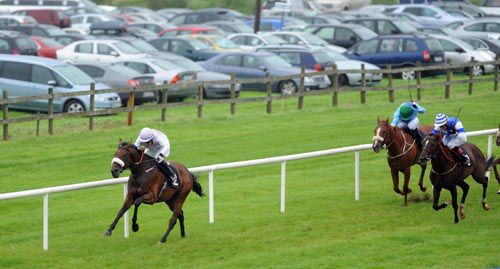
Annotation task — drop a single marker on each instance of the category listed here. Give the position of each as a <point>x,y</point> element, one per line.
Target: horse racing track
<point>323,226</point>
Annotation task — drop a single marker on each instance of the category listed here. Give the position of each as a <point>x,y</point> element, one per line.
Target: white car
<point>83,21</point>
<point>8,19</point>
<point>487,27</point>
<point>460,52</point>
<point>305,39</point>
<point>91,51</point>
<point>250,41</point>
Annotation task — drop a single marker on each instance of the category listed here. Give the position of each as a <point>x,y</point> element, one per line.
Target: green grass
<point>322,227</point>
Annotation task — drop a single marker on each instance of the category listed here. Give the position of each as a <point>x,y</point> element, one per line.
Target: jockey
<point>454,135</point>
<point>158,147</point>
<point>405,117</point>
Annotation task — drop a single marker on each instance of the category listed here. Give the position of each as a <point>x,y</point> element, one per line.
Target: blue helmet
<point>440,120</point>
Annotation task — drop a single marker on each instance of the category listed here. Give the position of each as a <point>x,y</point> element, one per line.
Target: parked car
<point>83,21</point>
<point>385,26</point>
<point>250,41</point>
<point>47,47</point>
<point>437,30</point>
<point>152,26</point>
<point>482,42</point>
<point>215,42</point>
<point>339,5</point>
<point>256,65</point>
<point>162,71</point>
<point>102,50</point>
<point>343,35</point>
<point>409,18</point>
<point>487,26</point>
<point>460,52</point>
<point>187,47</point>
<point>171,12</point>
<point>399,51</point>
<point>470,9</point>
<point>8,19</point>
<point>191,30</point>
<point>198,17</point>
<point>490,7</point>
<point>118,76</point>
<point>30,76</point>
<point>47,16</point>
<point>147,17</point>
<point>230,27</point>
<point>130,9</point>
<point>35,29</point>
<point>319,19</point>
<point>70,38</point>
<point>429,15</point>
<point>321,59</point>
<point>305,39</point>
<point>16,43</point>
<point>272,24</point>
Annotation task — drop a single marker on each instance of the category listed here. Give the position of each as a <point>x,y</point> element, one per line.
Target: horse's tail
<point>489,163</point>
<point>196,185</point>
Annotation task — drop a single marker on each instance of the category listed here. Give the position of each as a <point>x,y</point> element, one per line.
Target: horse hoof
<point>162,242</point>
<point>423,189</point>
<point>135,227</point>
<point>486,206</point>
<point>462,215</point>
<point>107,233</point>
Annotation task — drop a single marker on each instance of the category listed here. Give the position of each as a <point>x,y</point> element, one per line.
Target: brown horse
<point>497,161</point>
<point>402,153</point>
<point>448,173</point>
<point>145,185</point>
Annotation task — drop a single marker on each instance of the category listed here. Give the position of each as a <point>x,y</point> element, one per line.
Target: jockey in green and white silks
<point>158,147</point>
<point>454,135</point>
<point>405,117</point>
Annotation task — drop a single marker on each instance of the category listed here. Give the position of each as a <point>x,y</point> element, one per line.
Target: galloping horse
<point>497,161</point>
<point>145,185</point>
<point>402,153</point>
<point>448,173</point>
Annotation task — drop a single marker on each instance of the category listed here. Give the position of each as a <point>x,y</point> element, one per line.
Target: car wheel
<point>343,80</point>
<point>408,75</point>
<point>477,71</point>
<point>287,87</point>
<point>73,106</point>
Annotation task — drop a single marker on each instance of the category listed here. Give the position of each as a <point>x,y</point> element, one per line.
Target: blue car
<point>30,76</point>
<point>191,48</point>
<point>399,51</point>
<point>257,64</point>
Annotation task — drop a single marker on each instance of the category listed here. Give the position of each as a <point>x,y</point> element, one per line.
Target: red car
<point>191,30</point>
<point>47,47</point>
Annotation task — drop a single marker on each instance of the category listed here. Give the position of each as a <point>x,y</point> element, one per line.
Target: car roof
<point>31,60</point>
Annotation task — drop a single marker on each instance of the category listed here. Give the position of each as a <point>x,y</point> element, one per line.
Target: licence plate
<point>328,68</point>
<point>188,77</point>
<point>438,59</point>
<point>148,94</point>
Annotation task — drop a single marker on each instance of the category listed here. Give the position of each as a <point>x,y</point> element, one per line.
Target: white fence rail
<point>211,169</point>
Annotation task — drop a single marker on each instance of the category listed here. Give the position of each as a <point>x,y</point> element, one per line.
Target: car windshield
<point>273,40</point>
<point>125,72</point>
<point>322,57</point>
<point>433,44</point>
<point>198,45</point>
<point>55,31</point>
<point>225,43</point>
<point>125,48</point>
<point>25,43</point>
<point>143,46</point>
<point>165,65</point>
<point>313,40</point>
<point>364,33</point>
<point>187,64</point>
<point>74,75</point>
<point>274,61</point>
<point>336,56</point>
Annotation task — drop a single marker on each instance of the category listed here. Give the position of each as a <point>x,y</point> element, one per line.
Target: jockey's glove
<point>414,105</point>
<point>160,158</point>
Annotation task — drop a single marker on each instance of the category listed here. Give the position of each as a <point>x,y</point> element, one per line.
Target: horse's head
<point>430,147</point>
<point>498,136</point>
<point>380,134</point>
<point>126,154</point>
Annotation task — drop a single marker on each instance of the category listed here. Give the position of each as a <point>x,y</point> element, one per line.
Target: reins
<point>404,147</point>
<point>448,157</point>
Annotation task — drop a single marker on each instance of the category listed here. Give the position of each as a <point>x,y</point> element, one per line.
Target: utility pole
<point>256,25</point>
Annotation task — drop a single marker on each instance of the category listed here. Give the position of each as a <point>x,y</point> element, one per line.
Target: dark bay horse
<point>497,161</point>
<point>402,153</point>
<point>448,173</point>
<point>145,186</point>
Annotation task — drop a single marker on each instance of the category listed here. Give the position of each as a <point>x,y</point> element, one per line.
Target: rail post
<point>211,213</point>
<point>46,222</point>
<point>356,175</point>
<point>50,110</point>
<point>5,121</point>
<point>283,186</point>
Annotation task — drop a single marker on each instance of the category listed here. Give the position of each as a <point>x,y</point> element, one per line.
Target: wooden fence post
<point>164,94</point>
<point>419,81</point>
<point>5,122</point>
<point>233,93</point>
<point>301,89</point>
<point>447,87</point>
<point>471,75</point>
<point>92,106</point>
<point>389,85</point>
<point>363,84</point>
<point>50,111</point>
<point>269,94</point>
<point>335,85</point>
<point>130,106</point>
<point>495,87</point>
<point>200,100</point>
<point>38,123</point>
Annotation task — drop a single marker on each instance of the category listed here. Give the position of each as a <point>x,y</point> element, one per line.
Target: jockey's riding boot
<point>465,159</point>
<point>174,182</point>
<point>418,138</point>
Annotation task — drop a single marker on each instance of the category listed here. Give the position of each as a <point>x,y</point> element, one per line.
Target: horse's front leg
<point>465,190</point>
<point>436,194</point>
<point>148,198</point>
<point>453,190</point>
<point>126,205</point>
<point>135,226</point>
<point>495,169</point>
<point>177,212</point>
<point>421,180</point>
<point>395,181</point>
<point>406,189</point>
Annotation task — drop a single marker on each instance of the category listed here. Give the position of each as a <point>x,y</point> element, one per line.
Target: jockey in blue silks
<point>454,135</point>
<point>405,117</point>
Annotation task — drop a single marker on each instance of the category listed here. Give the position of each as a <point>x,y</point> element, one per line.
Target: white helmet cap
<point>146,135</point>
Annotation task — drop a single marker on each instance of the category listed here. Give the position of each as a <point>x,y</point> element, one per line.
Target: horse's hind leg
<point>421,180</point>
<point>126,205</point>
<point>465,190</point>
<point>171,223</point>
<point>495,169</point>
<point>181,217</point>
<point>480,178</point>
<point>135,226</point>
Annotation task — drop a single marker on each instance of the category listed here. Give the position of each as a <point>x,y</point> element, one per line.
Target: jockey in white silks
<point>454,135</point>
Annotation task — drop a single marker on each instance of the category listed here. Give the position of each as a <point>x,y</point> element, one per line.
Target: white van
<point>13,5</point>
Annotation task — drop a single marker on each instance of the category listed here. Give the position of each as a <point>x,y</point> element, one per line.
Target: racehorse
<point>448,173</point>
<point>402,154</point>
<point>146,185</point>
<point>497,161</point>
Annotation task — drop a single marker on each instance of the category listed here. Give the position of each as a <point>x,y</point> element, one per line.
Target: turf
<point>323,227</point>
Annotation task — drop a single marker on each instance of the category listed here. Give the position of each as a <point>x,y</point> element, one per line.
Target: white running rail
<point>211,169</point>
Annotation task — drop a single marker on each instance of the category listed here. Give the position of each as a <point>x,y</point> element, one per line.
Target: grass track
<point>322,227</point>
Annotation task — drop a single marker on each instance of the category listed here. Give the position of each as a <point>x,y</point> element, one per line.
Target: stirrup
<point>173,183</point>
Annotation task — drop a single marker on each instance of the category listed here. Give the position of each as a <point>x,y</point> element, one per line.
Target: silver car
<point>30,76</point>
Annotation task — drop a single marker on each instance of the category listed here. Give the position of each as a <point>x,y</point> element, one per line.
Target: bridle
<point>441,150</point>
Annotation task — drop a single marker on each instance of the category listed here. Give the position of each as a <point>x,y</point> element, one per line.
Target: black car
<point>190,48</point>
<point>344,35</point>
<point>35,29</point>
<point>16,43</point>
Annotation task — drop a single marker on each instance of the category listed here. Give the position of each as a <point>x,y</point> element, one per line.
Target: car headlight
<point>99,98</point>
<point>308,80</point>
